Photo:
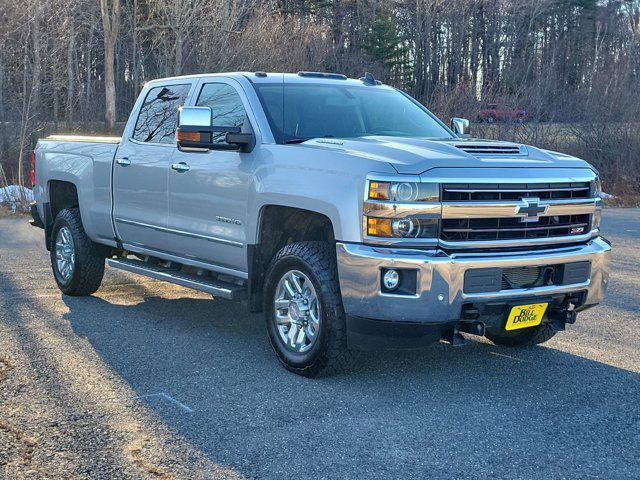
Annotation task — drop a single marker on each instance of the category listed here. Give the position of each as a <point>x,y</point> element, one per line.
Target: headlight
<point>404,191</point>
<point>395,209</point>
<point>408,227</point>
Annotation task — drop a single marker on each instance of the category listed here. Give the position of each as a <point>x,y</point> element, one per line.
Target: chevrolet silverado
<point>341,208</point>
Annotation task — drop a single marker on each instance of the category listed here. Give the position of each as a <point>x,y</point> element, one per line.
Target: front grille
<point>466,192</point>
<point>508,227</point>
<point>470,229</point>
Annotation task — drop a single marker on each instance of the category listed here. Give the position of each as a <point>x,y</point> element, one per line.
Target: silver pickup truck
<point>341,208</point>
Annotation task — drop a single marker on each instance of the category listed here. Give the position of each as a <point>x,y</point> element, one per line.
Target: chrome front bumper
<point>440,279</point>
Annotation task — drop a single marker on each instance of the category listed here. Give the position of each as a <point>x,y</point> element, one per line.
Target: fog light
<point>391,279</point>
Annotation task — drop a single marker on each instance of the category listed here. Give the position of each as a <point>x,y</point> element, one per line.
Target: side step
<point>204,284</point>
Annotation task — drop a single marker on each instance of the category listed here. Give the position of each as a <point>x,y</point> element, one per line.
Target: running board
<point>203,284</point>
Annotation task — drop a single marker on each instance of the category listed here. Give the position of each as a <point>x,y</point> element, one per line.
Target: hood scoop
<point>485,149</point>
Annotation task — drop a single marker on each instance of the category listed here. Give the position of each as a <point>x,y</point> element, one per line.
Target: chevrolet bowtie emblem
<point>531,210</point>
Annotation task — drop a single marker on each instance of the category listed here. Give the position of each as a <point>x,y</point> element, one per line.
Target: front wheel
<point>303,309</point>
<point>77,262</point>
<point>526,337</point>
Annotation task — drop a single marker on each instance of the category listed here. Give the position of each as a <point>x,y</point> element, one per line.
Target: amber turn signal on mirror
<point>188,136</point>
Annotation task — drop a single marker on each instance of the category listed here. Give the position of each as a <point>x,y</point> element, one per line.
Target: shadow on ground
<point>471,411</point>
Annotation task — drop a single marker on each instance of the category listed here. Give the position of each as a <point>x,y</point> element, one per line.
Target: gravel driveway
<point>150,380</point>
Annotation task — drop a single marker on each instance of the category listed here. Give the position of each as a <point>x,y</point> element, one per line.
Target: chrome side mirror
<point>460,126</point>
<point>194,128</point>
<point>196,132</point>
<point>195,117</point>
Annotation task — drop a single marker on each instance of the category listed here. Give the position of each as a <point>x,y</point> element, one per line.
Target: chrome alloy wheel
<point>65,254</point>
<point>296,311</point>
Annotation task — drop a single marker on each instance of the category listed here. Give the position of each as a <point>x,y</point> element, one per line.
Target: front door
<point>140,207</point>
<point>208,192</point>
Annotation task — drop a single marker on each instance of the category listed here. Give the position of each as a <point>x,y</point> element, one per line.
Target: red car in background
<point>493,114</point>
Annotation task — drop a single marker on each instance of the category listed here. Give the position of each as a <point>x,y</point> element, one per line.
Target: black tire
<point>329,353</point>
<point>526,337</point>
<point>88,271</point>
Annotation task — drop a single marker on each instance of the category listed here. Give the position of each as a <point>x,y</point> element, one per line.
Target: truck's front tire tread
<point>529,337</point>
<point>319,259</point>
<point>89,256</point>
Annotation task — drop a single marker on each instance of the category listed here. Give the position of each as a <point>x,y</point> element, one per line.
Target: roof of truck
<point>273,77</point>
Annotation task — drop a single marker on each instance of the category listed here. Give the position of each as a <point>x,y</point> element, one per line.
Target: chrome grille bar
<point>510,209</point>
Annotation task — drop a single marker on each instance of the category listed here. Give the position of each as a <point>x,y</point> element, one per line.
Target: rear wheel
<point>303,310</point>
<point>527,336</point>
<point>77,262</point>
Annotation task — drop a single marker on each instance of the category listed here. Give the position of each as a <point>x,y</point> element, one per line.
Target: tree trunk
<point>36,74</point>
<point>177,67</point>
<point>111,24</point>
<point>2,112</point>
<point>70,72</point>
<point>134,49</point>
<point>89,66</point>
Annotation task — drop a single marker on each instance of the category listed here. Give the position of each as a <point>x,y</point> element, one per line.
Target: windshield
<point>298,112</point>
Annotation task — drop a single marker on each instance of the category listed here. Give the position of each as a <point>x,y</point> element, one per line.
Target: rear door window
<point>158,115</point>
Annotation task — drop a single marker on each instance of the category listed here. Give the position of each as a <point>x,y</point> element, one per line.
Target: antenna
<point>369,79</point>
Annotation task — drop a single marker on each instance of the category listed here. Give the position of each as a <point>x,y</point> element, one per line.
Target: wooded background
<point>574,65</point>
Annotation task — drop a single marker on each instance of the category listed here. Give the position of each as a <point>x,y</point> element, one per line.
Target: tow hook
<point>455,338</point>
<point>474,328</point>
<point>560,318</point>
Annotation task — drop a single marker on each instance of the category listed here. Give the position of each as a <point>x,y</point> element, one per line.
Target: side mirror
<point>242,140</point>
<point>196,132</point>
<point>194,128</point>
<point>460,126</point>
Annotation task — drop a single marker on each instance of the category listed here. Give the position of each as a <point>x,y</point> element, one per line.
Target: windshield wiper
<point>300,140</point>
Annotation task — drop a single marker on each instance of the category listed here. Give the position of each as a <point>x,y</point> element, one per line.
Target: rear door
<point>208,202</point>
<point>140,170</point>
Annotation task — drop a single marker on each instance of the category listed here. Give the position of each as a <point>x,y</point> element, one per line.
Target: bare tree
<point>110,12</point>
<point>563,61</point>
<point>180,18</point>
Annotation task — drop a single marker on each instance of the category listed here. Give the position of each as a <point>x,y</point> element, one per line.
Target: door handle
<point>125,162</point>
<point>180,167</point>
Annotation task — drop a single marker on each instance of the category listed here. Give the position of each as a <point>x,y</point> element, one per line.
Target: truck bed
<point>86,162</point>
<point>83,139</point>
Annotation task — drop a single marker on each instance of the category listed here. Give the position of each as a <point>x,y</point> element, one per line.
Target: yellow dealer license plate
<point>524,316</point>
